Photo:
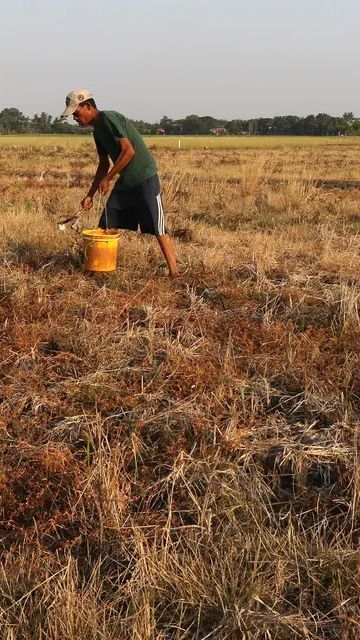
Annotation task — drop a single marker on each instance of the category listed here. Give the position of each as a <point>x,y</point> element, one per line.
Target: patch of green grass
<point>189,142</point>
<point>245,142</point>
<point>43,140</point>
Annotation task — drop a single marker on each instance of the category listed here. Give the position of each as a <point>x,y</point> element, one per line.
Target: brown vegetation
<point>179,459</point>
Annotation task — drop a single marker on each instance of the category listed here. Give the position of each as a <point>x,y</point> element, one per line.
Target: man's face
<point>83,115</point>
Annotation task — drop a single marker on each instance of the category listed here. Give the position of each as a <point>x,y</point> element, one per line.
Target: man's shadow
<point>36,257</point>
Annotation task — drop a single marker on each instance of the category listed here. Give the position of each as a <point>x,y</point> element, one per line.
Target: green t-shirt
<point>109,128</point>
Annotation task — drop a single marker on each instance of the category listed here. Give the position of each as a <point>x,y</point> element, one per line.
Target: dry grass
<point>179,460</point>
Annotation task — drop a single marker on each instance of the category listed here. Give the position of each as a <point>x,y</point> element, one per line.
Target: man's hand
<point>87,202</point>
<point>104,186</point>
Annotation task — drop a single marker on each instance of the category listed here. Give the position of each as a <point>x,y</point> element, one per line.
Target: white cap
<point>73,100</point>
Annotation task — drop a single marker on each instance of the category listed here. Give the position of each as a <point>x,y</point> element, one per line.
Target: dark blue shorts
<point>141,207</point>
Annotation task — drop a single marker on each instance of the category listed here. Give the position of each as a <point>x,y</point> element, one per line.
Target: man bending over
<point>135,200</point>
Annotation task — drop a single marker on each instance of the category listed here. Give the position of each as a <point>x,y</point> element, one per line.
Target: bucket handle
<point>90,243</point>
<point>102,199</point>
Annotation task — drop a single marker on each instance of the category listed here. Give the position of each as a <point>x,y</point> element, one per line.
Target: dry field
<point>179,459</point>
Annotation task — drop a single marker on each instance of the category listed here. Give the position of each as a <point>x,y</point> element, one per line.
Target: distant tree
<point>166,124</point>
<point>206,123</point>
<point>264,126</point>
<point>348,117</point>
<point>191,125</point>
<point>253,127</point>
<point>349,123</point>
<point>62,126</point>
<point>310,126</point>
<point>57,125</point>
<point>145,128</point>
<point>323,123</point>
<point>178,126</point>
<point>237,127</point>
<point>41,123</point>
<point>291,125</point>
<point>356,126</point>
<point>13,121</point>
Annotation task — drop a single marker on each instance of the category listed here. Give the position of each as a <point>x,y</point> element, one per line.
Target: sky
<point>224,58</point>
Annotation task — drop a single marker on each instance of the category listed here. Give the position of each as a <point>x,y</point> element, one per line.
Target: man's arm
<point>127,153</point>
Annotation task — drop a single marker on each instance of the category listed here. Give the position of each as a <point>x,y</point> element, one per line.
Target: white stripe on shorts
<point>161,221</point>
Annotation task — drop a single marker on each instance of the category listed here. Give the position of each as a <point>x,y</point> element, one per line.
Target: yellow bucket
<point>100,249</point>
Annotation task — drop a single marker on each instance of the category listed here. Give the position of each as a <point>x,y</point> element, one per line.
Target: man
<point>135,199</point>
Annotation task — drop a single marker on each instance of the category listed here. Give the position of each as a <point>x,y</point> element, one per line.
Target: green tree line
<point>13,121</point>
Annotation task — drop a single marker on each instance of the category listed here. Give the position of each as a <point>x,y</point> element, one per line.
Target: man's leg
<point>167,248</point>
<point>152,220</point>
